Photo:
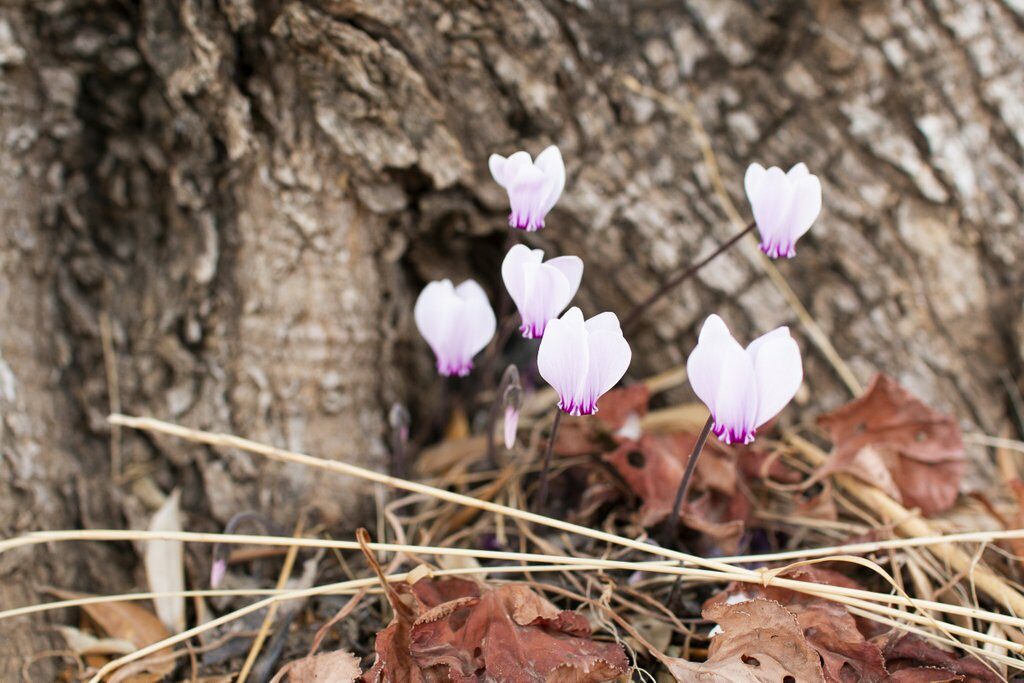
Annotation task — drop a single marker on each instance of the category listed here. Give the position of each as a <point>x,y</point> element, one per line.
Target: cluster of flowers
<point>582,359</point>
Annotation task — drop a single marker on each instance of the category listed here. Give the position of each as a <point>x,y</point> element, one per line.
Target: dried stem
<point>684,484</point>
<point>542,495</point>
<point>633,317</point>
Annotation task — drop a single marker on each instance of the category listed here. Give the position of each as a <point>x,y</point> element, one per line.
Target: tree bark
<point>252,193</point>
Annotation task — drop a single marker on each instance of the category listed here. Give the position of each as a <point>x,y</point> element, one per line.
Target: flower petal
<point>754,346</point>
<point>477,323</point>
<point>704,366</point>
<point>610,356</point>
<point>778,371</point>
<point>546,293</point>
<point>498,165</point>
<point>512,270</point>
<point>563,357</point>
<point>471,292</point>
<point>572,269</point>
<point>798,171</point>
<point>550,163</point>
<point>805,208</point>
<point>752,179</point>
<point>736,395</point>
<point>606,321</point>
<point>433,313</point>
<point>770,203</point>
<point>511,167</point>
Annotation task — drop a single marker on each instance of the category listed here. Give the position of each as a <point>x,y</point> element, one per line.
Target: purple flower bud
<point>512,399</point>
<point>511,426</point>
<point>217,572</point>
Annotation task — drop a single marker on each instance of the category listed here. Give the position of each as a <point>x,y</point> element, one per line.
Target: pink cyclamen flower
<point>457,322</point>
<point>743,388</point>
<point>785,205</point>
<point>582,360</point>
<point>533,186</point>
<point>540,289</point>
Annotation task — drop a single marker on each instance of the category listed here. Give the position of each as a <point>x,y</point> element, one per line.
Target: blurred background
<point>219,213</point>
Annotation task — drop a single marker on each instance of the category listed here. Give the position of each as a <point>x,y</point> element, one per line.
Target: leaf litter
<point>620,472</point>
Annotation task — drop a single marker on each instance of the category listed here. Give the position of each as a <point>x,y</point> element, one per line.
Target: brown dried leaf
<point>906,652</point>
<point>760,642</point>
<point>509,634</point>
<point>846,655</point>
<point>329,667</point>
<point>584,436</point>
<point>512,634</point>
<point>891,439</point>
<point>653,467</point>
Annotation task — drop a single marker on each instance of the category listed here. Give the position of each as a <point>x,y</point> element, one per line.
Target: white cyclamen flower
<point>457,322</point>
<point>785,205</point>
<point>743,388</point>
<point>540,289</point>
<point>533,186</point>
<point>582,360</point>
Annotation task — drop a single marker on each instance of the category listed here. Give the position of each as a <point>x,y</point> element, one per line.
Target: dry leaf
<point>890,439</point>
<point>760,642</point>
<point>83,643</point>
<point>165,565</point>
<point>915,659</point>
<point>512,634</point>
<point>123,620</point>
<point>329,667</point>
<point>614,409</point>
<point>847,656</point>
<point>508,634</point>
<point>653,467</point>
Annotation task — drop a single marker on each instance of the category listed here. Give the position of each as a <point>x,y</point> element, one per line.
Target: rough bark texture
<point>253,192</point>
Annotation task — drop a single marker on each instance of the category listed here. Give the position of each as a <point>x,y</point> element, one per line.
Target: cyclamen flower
<point>743,388</point>
<point>785,205</point>
<point>582,360</point>
<point>533,186</point>
<point>457,322</point>
<point>540,290</point>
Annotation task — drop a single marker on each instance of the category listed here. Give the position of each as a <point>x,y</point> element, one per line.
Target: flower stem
<point>691,466</point>
<point>542,495</point>
<point>634,316</point>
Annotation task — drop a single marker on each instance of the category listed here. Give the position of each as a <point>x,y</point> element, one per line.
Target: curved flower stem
<point>542,495</point>
<point>633,317</point>
<point>691,466</point>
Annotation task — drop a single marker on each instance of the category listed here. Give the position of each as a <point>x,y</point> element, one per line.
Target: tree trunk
<point>252,194</point>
